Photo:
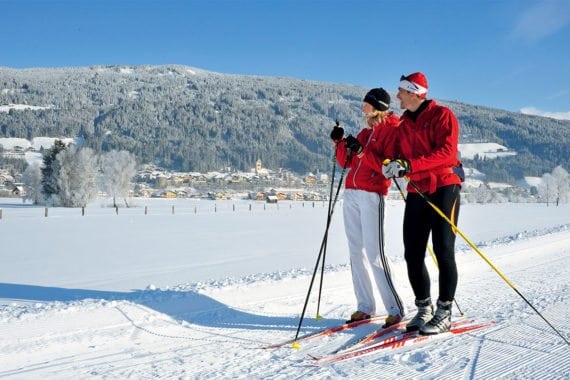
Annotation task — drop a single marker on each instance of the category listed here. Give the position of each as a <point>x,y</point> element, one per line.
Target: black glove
<point>396,168</point>
<point>353,144</point>
<point>337,133</point>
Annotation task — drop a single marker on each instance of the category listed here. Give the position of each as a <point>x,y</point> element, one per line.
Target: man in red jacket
<point>426,151</point>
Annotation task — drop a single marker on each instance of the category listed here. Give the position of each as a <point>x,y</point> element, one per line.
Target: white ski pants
<point>364,226</point>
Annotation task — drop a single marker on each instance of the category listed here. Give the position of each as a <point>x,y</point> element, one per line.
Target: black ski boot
<point>441,321</point>
<point>424,314</point>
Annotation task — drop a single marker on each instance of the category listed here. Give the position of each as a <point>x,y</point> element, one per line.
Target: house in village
<point>271,199</point>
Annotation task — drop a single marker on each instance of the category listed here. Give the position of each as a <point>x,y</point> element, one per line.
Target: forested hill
<point>189,119</point>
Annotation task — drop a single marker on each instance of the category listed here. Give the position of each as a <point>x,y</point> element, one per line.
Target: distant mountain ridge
<point>185,118</point>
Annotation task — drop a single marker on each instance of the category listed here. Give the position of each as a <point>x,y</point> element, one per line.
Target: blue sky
<point>508,54</point>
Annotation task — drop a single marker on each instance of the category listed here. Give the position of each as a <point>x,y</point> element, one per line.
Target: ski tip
<point>295,345</point>
<point>318,317</point>
<point>314,357</point>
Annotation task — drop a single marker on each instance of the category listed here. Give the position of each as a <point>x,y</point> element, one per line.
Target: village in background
<point>150,181</point>
<point>265,184</point>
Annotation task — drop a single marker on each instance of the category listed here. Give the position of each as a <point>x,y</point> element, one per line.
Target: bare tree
<point>561,184</point>
<point>546,189</point>
<point>118,168</point>
<point>77,177</point>
<point>32,179</point>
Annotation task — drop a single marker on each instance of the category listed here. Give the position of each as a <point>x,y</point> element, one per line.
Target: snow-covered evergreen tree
<point>50,172</point>
<point>118,168</point>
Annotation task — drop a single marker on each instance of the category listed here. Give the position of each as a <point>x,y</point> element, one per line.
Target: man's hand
<point>396,168</point>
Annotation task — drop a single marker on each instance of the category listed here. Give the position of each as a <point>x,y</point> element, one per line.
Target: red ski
<point>389,331</point>
<point>399,341</point>
<point>370,337</point>
<point>328,331</point>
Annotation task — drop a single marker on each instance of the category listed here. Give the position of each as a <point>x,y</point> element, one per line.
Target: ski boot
<point>441,321</point>
<point>392,320</point>
<point>423,315</point>
<point>358,316</point>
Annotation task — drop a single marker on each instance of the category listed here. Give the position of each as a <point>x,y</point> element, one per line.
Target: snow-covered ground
<point>484,150</point>
<point>195,291</point>
<point>19,107</point>
<point>9,143</point>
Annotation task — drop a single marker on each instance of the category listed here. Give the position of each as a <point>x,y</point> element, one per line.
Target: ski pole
<point>323,243</point>
<point>485,258</point>
<point>461,313</point>
<point>325,247</point>
<point>318,316</point>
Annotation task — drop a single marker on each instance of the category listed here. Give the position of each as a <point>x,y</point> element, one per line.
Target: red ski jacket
<point>430,144</point>
<point>366,168</point>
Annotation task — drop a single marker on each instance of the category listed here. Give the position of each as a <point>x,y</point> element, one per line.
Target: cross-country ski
<point>328,331</point>
<point>399,341</point>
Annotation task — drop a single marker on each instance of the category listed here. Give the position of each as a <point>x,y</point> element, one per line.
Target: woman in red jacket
<point>427,147</point>
<point>363,208</point>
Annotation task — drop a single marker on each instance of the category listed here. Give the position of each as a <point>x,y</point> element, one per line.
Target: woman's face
<point>369,113</point>
<point>367,108</point>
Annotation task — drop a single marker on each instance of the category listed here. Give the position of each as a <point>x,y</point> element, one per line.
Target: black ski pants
<point>419,220</point>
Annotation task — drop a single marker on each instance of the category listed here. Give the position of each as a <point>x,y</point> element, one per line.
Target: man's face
<point>408,101</point>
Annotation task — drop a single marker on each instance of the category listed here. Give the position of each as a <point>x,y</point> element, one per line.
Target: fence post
<point>145,210</point>
<point>172,210</point>
<point>46,212</point>
<point>82,211</point>
<point>117,210</point>
<point>0,213</point>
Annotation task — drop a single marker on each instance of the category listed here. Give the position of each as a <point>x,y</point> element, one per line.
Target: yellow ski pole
<point>478,251</point>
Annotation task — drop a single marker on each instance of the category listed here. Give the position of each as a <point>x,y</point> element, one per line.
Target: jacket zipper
<point>360,161</point>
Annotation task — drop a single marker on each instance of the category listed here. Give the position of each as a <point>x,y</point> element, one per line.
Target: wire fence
<point>155,207</point>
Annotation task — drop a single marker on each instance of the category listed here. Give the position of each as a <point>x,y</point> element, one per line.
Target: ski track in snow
<point>215,329</point>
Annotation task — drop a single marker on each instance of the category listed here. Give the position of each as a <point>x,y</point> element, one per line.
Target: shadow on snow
<point>187,306</point>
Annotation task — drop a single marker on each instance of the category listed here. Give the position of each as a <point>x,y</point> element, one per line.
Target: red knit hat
<point>415,83</point>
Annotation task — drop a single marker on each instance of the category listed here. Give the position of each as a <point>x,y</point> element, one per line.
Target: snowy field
<point>193,289</point>
<point>484,150</point>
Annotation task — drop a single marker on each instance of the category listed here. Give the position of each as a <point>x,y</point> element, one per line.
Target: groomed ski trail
<point>215,332</point>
